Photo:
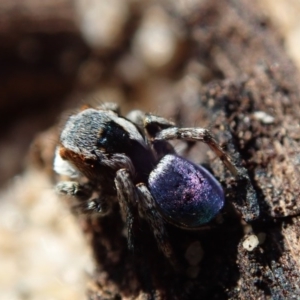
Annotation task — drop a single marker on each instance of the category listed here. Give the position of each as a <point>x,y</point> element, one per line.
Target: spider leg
<point>127,197</point>
<point>156,222</point>
<point>160,129</point>
<point>133,198</point>
<point>74,188</point>
<point>97,205</point>
<point>197,134</point>
<point>82,194</point>
<point>153,124</point>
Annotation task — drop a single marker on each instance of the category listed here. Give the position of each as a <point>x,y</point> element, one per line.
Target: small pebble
<point>263,117</point>
<point>251,242</point>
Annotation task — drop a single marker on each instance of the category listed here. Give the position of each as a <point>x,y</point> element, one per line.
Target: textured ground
<point>161,57</point>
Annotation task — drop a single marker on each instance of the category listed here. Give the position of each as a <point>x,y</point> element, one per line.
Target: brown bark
<point>252,106</point>
<point>255,76</point>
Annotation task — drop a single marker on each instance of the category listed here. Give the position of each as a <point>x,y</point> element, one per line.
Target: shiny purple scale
<point>186,194</point>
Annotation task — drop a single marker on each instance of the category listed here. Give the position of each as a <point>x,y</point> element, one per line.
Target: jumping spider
<point>129,159</point>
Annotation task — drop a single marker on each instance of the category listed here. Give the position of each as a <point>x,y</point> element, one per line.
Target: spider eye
<point>114,138</point>
<point>186,194</point>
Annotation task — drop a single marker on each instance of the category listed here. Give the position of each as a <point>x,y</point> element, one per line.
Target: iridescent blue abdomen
<point>186,194</point>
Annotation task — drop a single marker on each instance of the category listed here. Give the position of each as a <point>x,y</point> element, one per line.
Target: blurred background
<point>56,55</point>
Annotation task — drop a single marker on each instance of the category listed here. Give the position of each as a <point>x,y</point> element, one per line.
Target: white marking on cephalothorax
<point>63,167</point>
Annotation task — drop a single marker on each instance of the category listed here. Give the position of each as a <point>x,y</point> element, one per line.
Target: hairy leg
<point>86,200</point>
<point>157,224</point>
<point>127,197</point>
<point>199,135</point>
<point>161,130</point>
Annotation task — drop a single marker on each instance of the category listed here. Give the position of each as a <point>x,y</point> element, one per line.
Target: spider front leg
<point>87,201</point>
<point>155,220</point>
<point>134,199</point>
<point>127,197</point>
